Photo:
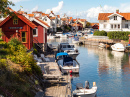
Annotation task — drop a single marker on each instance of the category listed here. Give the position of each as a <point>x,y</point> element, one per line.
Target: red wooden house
<point>95,25</point>
<point>40,33</point>
<point>18,26</point>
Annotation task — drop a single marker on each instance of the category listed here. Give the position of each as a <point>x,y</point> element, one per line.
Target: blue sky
<point>87,9</point>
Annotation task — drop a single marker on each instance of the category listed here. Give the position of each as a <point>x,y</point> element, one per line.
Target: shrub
<point>122,35</point>
<point>100,33</point>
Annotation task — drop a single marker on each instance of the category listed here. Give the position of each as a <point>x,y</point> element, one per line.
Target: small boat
<point>58,34</point>
<point>86,91</point>
<point>50,36</point>
<point>75,40</point>
<point>118,47</point>
<point>68,48</point>
<point>60,55</point>
<point>51,46</point>
<point>68,65</point>
<point>102,45</point>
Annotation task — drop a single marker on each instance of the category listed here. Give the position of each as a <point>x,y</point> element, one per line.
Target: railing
<point>37,43</point>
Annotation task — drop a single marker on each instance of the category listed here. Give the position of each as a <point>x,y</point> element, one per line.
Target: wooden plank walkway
<point>54,88</point>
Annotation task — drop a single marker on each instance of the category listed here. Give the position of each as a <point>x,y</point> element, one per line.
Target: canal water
<point>109,69</point>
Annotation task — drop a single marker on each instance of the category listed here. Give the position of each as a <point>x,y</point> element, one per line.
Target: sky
<point>84,9</point>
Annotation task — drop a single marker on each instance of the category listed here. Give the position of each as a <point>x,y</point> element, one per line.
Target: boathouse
<point>40,33</point>
<point>18,26</point>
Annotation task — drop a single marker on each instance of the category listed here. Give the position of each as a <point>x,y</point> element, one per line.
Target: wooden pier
<point>56,84</point>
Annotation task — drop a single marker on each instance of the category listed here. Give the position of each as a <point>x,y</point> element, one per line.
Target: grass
<point>14,76</point>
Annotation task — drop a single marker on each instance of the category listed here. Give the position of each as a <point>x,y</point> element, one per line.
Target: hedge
<point>122,35</point>
<point>100,33</point>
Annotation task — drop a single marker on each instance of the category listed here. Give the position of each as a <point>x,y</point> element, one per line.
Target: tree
<point>4,4</point>
<point>88,24</point>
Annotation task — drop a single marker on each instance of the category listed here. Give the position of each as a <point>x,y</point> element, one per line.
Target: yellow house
<point>83,21</point>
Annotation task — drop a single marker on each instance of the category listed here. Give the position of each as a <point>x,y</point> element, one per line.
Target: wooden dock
<point>56,84</point>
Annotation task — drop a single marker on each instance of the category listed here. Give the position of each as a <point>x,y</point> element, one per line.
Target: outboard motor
<point>86,85</point>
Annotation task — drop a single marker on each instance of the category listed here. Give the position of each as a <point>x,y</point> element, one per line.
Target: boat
<point>118,47</point>
<point>86,91</point>
<point>51,46</point>
<point>68,48</point>
<point>102,45</point>
<point>75,40</point>
<point>60,55</point>
<point>68,65</point>
<point>50,36</point>
<point>58,34</point>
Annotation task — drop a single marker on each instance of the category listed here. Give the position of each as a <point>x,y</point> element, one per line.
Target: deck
<point>56,84</point>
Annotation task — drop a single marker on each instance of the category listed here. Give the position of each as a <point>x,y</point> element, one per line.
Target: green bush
<point>100,33</point>
<point>122,35</point>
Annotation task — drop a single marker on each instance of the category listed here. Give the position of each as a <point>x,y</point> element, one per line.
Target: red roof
<point>82,20</point>
<point>74,20</point>
<point>58,16</point>
<point>24,19</point>
<point>92,24</point>
<point>42,22</point>
<point>104,16</point>
<point>52,18</point>
<point>31,15</point>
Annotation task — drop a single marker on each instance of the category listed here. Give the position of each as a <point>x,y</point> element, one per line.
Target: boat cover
<point>61,54</point>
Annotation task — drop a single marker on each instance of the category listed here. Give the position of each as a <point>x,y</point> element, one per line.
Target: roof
<point>58,16</point>
<point>10,9</point>
<point>61,53</point>
<point>104,16</point>
<point>42,22</point>
<point>74,20</point>
<point>31,15</point>
<point>37,12</point>
<point>82,20</point>
<point>64,19</point>
<point>24,19</point>
<point>75,24</point>
<point>52,18</point>
<point>92,24</point>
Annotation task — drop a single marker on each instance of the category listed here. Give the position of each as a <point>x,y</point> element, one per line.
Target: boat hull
<point>86,95</point>
<point>119,50</point>
<point>65,71</point>
<point>73,55</point>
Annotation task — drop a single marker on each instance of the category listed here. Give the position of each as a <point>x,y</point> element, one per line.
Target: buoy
<point>70,71</point>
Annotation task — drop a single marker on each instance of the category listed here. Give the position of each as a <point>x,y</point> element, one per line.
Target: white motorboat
<point>69,48</point>
<point>68,65</point>
<point>102,45</point>
<point>50,36</point>
<point>75,40</point>
<point>58,34</point>
<point>118,47</point>
<point>86,91</point>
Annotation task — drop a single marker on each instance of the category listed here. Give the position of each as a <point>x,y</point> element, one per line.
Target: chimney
<point>51,11</point>
<point>117,11</point>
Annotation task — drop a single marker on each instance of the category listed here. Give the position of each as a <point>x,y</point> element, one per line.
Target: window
<point>104,25</point>
<point>115,17</point>
<point>126,20</point>
<point>15,21</point>
<point>126,25</point>
<point>45,19</point>
<point>111,26</point>
<point>115,26</point>
<point>105,20</point>
<point>35,32</point>
<point>64,46</point>
<point>118,26</point>
<point>23,36</point>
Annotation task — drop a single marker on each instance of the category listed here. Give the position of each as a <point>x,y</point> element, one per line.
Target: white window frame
<point>36,33</point>
<point>115,18</point>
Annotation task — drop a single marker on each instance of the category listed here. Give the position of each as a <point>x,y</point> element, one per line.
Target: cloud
<point>16,1</point>
<point>56,9</point>
<point>34,9</point>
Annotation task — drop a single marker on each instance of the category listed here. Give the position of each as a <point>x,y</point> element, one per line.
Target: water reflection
<point>110,70</point>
